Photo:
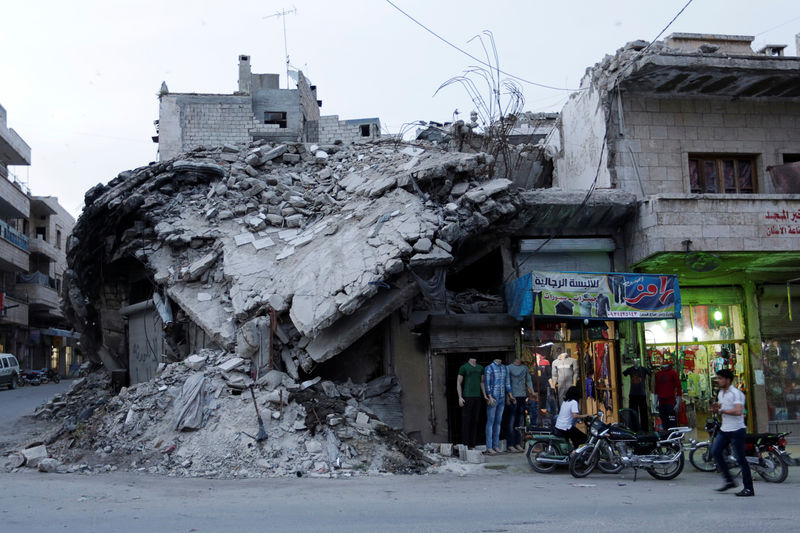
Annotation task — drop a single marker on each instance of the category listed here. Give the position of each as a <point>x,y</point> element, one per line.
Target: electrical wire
<point>474,58</point>
<point>781,25</point>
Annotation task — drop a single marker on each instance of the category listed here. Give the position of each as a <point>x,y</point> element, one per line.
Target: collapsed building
<point>316,273</point>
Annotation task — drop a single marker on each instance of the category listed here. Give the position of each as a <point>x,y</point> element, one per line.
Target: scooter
<point>31,377</point>
<point>546,451</point>
<point>659,454</point>
<point>765,453</point>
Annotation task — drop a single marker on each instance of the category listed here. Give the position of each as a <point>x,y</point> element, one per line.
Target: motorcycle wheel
<point>540,448</point>
<point>56,379</point>
<point>701,458</point>
<point>607,462</point>
<point>582,463</point>
<point>668,471</point>
<point>779,470</point>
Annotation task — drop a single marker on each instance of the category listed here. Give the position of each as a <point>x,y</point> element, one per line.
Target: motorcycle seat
<point>651,436</point>
<point>758,437</point>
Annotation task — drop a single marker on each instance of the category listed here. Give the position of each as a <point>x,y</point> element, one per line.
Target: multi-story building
<point>33,238</point>
<point>260,109</point>
<point>14,247</point>
<point>705,132</point>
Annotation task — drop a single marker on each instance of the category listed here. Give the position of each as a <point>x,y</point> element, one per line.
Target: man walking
<point>496,387</point>
<point>730,404</point>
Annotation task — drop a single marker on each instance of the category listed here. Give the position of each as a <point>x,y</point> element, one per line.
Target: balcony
<point>42,247</point>
<point>15,311</point>
<point>40,290</point>
<point>14,254</point>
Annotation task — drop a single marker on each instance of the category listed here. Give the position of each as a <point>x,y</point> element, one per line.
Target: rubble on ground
<point>266,249</point>
<point>320,430</point>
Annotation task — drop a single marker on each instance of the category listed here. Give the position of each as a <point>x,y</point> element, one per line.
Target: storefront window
<point>781,360</point>
<point>709,338</point>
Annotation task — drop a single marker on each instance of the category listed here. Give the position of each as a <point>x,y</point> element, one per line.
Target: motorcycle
<point>660,454</point>
<point>546,451</point>
<point>31,377</point>
<point>765,453</point>
<point>51,375</point>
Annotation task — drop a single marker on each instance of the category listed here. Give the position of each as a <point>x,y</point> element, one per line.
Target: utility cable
<point>474,58</point>
<point>781,25</point>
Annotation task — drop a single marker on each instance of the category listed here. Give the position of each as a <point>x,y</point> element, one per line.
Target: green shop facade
<point>741,311</point>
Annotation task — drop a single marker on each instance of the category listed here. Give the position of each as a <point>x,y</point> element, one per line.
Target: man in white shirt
<point>730,405</point>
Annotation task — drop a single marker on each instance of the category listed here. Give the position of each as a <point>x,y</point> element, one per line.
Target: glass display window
<point>781,361</point>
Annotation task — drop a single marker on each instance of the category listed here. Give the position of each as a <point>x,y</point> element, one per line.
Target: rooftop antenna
<point>282,13</point>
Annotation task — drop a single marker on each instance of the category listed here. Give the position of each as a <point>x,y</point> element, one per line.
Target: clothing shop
<point>579,328</point>
<point>739,312</point>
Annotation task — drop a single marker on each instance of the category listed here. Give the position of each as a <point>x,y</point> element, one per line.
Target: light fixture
<point>717,315</point>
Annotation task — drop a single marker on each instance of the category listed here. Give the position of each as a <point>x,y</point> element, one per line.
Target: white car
<point>9,370</point>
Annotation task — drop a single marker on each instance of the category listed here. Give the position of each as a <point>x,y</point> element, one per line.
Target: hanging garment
<point>565,372</point>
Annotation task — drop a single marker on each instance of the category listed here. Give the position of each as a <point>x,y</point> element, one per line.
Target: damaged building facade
<point>258,110</point>
<point>703,130</point>
<point>33,240</point>
<point>382,265</point>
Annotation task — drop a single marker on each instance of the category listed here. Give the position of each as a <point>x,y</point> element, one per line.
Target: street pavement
<point>16,408</point>
<point>505,497</point>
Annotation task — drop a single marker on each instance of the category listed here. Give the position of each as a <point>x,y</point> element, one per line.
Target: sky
<point>79,79</point>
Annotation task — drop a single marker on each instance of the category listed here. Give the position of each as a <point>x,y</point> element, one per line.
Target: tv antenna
<point>282,13</point>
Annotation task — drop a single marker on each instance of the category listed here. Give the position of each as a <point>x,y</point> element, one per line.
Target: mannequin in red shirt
<point>668,391</point>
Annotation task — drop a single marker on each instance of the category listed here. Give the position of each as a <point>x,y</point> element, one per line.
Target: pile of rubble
<point>268,251</point>
<point>193,419</point>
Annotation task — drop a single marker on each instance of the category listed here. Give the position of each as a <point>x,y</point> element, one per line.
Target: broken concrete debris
<point>309,431</point>
<point>259,254</point>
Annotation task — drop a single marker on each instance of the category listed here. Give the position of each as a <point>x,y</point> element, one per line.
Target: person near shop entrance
<point>521,389</point>
<point>637,397</point>
<point>567,416</point>
<point>496,388</point>
<point>469,385</point>
<point>730,405</point>
<point>668,391</point>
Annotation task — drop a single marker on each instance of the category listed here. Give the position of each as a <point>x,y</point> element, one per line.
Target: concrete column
<point>760,415</point>
<point>245,75</point>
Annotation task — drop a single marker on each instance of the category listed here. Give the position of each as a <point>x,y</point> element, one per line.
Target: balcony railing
<point>13,236</point>
<point>37,278</point>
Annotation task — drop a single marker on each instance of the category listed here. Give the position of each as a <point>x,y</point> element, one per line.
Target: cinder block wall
<point>663,132</point>
<point>214,120</point>
<point>331,129</point>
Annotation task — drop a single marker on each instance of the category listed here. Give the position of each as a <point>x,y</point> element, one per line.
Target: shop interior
<point>593,345</point>
<point>707,338</point>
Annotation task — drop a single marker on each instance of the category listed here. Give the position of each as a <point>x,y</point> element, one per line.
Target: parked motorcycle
<point>51,375</point>
<point>765,452</point>
<point>660,454</point>
<point>31,377</point>
<point>546,451</point>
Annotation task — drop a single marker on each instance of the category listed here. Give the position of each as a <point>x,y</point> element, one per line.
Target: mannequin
<point>565,374</point>
<point>469,384</point>
<point>668,390</point>
<point>637,396</point>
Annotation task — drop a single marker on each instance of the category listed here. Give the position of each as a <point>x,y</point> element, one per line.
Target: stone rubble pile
<point>316,428</point>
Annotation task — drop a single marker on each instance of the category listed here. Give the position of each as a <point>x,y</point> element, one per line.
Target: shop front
<point>740,311</point>
<point>580,328</point>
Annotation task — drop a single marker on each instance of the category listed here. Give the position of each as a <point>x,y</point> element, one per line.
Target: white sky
<point>79,79</point>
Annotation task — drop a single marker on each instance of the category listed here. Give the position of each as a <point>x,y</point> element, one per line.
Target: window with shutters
<point>723,174</point>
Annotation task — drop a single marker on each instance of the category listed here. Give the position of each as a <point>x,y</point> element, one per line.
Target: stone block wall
<point>215,120</point>
<point>331,129</point>
<point>715,223</point>
<point>662,133</point>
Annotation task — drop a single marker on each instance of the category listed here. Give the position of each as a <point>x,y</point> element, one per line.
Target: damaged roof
<point>316,233</point>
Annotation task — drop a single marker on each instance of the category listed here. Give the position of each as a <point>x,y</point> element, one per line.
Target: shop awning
<point>594,295</point>
<point>484,332</point>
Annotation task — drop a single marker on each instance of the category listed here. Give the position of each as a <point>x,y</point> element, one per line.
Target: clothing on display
<point>565,374</point>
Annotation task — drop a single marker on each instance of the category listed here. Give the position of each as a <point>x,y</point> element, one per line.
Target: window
<point>58,239</point>
<point>722,174</point>
<point>41,233</point>
<point>275,117</point>
<point>365,130</point>
<point>790,158</point>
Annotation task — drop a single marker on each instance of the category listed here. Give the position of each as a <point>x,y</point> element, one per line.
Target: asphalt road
<point>16,406</point>
<point>24,400</point>
<point>490,501</point>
